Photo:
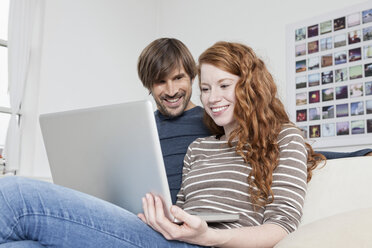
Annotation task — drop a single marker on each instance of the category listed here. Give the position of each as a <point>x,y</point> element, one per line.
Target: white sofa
<point>338,207</point>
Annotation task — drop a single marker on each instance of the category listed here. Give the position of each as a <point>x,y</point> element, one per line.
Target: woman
<point>257,163</point>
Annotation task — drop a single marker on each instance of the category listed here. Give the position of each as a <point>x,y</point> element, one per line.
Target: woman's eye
<point>204,89</point>
<point>224,86</point>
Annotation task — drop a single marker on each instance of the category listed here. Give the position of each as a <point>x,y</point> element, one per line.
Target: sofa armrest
<point>345,230</point>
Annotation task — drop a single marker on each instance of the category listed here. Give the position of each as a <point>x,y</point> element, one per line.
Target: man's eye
<point>179,78</point>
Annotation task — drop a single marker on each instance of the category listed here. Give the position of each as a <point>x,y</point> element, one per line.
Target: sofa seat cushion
<point>349,229</point>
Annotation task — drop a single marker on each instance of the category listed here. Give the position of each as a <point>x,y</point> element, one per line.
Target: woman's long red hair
<point>259,113</point>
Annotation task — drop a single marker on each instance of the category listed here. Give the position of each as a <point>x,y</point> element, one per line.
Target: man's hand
<point>193,230</point>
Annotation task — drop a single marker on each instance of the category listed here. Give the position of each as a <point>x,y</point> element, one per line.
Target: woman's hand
<point>193,230</point>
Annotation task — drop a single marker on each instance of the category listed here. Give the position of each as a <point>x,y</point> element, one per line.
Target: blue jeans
<point>41,214</point>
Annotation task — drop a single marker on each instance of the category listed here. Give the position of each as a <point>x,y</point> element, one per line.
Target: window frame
<point>6,110</point>
<point>3,109</point>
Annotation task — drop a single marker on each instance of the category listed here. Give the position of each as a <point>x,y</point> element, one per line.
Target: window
<point>4,96</point>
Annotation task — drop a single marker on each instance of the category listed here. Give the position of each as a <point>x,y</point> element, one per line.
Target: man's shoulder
<point>189,125</point>
<point>197,110</point>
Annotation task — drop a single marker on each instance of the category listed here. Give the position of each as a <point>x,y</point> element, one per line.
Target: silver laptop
<point>111,152</point>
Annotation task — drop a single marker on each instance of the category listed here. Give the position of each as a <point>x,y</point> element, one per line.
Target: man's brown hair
<point>161,57</point>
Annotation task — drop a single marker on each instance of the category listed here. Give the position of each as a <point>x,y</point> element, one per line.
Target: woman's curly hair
<point>259,114</point>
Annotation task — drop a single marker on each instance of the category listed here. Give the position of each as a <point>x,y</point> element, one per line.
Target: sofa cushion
<point>350,229</point>
<point>341,185</point>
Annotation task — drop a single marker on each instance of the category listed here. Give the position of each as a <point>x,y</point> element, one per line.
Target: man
<point>167,69</point>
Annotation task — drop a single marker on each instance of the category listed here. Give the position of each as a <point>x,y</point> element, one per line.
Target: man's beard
<point>164,110</point>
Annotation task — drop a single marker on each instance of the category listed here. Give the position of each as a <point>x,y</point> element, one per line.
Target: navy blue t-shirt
<point>175,135</point>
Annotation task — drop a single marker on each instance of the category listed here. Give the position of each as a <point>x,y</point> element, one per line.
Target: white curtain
<point>21,20</point>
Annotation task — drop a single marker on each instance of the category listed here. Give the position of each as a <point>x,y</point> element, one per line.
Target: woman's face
<point>218,95</point>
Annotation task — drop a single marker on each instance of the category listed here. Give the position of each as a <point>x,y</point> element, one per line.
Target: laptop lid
<point>111,152</point>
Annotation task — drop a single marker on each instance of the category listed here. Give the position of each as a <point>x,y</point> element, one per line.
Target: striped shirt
<point>215,179</point>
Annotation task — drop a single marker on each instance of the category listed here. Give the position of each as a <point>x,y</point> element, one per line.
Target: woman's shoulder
<point>211,138</point>
<point>206,141</point>
<point>290,132</point>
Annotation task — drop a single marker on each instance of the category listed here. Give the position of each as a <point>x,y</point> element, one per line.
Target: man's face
<point>172,94</point>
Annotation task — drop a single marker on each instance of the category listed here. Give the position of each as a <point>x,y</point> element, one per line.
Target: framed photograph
<point>356,71</point>
<point>355,54</point>
<point>354,37</point>
<point>368,70</point>
<point>314,96</point>
<point>328,112</point>
<point>367,52</point>
<point>312,31</point>
<point>313,63</point>
<point>313,47</point>
<point>353,20</point>
<point>304,131</point>
<point>367,33</point>
<point>301,65</point>
<point>301,49</point>
<point>326,44</point>
<point>328,129</point>
<point>340,57</point>
<point>327,60</point>
<point>314,79</point>
<point>356,90</point>
<point>339,23</point>
<point>301,98</point>
<point>329,94</point>
<point>327,77</point>
<point>326,27</point>
<point>357,127</point>
<point>367,16</point>
<point>314,114</point>
<point>369,106</point>
<point>357,108</point>
<point>314,131</point>
<point>301,82</point>
<point>341,92</point>
<point>368,88</point>
<point>340,40</point>
<point>342,110</point>
<point>341,75</point>
<point>342,128</point>
<point>301,115</point>
<point>369,126</point>
<point>300,34</point>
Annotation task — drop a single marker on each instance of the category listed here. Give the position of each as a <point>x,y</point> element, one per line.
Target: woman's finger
<point>145,209</point>
<point>150,210</point>
<point>142,217</point>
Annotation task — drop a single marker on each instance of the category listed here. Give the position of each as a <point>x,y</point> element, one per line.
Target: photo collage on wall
<point>333,76</point>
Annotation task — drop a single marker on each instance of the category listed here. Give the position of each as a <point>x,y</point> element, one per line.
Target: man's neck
<point>190,105</point>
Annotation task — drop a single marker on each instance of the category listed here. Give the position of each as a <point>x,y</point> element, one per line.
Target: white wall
<point>259,24</point>
<point>90,48</point>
